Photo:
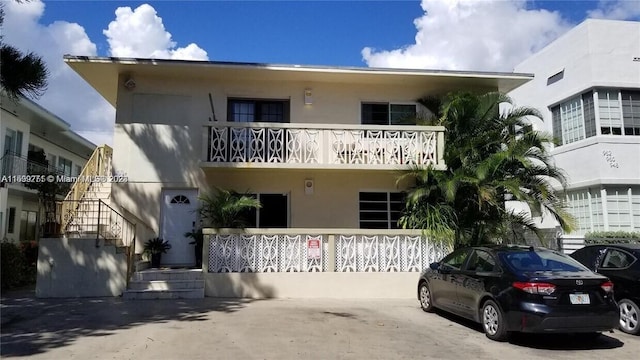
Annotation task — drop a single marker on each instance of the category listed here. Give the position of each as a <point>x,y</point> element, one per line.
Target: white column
<point>596,111</point>
<point>630,200</point>
<point>605,211</point>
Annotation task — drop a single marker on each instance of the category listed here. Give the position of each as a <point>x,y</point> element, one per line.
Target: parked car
<point>618,262</point>
<point>519,289</point>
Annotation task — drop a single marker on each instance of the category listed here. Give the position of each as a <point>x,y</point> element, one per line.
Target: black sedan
<point>618,262</point>
<point>517,288</point>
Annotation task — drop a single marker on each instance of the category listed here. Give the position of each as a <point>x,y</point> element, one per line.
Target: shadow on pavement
<point>30,325</point>
<point>546,341</point>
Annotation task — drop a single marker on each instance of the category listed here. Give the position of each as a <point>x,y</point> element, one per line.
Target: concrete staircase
<point>166,284</point>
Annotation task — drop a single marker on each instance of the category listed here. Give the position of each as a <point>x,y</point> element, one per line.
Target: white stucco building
<point>587,86</point>
<point>25,130</point>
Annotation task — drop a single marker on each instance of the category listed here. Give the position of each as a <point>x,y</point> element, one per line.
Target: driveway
<point>110,328</point>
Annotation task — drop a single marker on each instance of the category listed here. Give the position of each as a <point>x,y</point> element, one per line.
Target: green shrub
<point>18,264</point>
<point>603,237</point>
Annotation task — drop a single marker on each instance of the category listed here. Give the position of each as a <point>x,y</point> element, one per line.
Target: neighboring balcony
<point>316,146</point>
<point>21,171</point>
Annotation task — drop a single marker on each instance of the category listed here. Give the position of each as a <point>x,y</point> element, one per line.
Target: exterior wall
<point>596,161</point>
<point>159,143</point>
<point>58,151</point>
<point>595,54</point>
<point>401,285</point>
<point>78,268</point>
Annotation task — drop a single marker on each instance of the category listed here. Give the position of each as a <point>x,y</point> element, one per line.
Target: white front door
<point>179,217</point>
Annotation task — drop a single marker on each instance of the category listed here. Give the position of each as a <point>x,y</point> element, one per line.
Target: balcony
<point>322,146</point>
<point>16,170</point>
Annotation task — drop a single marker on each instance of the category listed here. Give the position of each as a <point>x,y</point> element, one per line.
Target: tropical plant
<point>492,156</point>
<point>156,246</point>
<point>227,208</point>
<point>22,75</point>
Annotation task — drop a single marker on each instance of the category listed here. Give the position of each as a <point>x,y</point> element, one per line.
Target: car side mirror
<point>434,266</point>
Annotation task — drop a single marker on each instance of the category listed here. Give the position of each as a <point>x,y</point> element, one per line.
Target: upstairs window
<point>251,110</point>
<point>388,114</point>
<point>631,112</point>
<point>610,112</point>
<point>64,165</point>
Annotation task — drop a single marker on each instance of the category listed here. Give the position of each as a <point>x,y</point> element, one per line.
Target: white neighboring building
<point>25,128</point>
<point>587,86</point>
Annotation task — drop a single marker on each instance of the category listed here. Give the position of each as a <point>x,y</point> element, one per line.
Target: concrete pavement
<point>111,328</point>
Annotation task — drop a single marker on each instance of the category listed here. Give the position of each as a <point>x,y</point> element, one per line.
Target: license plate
<point>579,299</point>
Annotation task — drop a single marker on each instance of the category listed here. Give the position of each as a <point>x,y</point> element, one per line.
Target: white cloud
<point>67,95</point>
<point>491,35</point>
<point>616,10</point>
<point>151,40</point>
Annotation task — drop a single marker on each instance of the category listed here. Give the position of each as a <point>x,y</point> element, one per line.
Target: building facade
<point>321,147</point>
<point>587,86</point>
<point>33,141</point>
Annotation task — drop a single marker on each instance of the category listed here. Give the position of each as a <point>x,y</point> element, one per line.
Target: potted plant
<point>198,240</point>
<point>155,248</point>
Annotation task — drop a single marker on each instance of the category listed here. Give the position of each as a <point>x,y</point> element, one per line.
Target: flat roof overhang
<point>103,72</point>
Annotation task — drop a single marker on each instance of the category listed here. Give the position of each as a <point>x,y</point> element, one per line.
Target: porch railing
<point>324,145</point>
<point>321,250</point>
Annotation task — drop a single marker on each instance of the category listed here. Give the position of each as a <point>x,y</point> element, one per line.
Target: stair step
<point>168,274</point>
<point>163,294</point>
<point>163,285</point>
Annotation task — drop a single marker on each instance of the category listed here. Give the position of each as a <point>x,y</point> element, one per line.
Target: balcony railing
<point>14,165</point>
<point>323,146</point>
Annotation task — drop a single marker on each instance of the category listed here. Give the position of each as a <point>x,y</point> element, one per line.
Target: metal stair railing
<point>99,164</point>
<point>88,218</point>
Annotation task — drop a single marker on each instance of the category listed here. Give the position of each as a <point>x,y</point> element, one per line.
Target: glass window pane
<point>403,114</point>
<point>375,113</point>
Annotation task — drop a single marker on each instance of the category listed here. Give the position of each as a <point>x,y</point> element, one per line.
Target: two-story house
<point>33,141</point>
<point>320,147</point>
<point>587,86</point>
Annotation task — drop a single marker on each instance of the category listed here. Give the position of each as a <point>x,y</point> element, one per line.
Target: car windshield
<point>540,260</point>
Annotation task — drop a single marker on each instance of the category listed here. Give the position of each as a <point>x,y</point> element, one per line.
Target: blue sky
<point>492,35</point>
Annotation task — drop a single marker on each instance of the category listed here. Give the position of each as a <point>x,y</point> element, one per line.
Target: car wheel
<point>426,302</point>
<point>629,312</point>
<point>493,322</point>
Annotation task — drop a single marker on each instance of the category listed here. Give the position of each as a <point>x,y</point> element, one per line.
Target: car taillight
<point>535,288</point>
<point>607,286</point>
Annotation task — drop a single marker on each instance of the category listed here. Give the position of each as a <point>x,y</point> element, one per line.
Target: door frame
<point>162,204</point>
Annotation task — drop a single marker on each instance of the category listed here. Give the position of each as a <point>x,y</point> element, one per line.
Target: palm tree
<point>226,208</point>
<point>22,75</point>
<point>492,157</point>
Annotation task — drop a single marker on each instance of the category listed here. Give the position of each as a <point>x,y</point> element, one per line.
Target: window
<point>631,112</point>
<point>11,221</point>
<point>13,142</point>
<point>180,199</point>
<point>380,210</point>
<point>618,209</point>
<point>456,259</point>
<point>78,169</point>
<point>555,78</point>
<point>274,212</point>
<point>617,259</point>
<point>618,113</point>
<point>248,110</point>
<point>610,112</point>
<point>481,261</point>
<point>28,225</point>
<point>64,165</point>
<point>388,114</point>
